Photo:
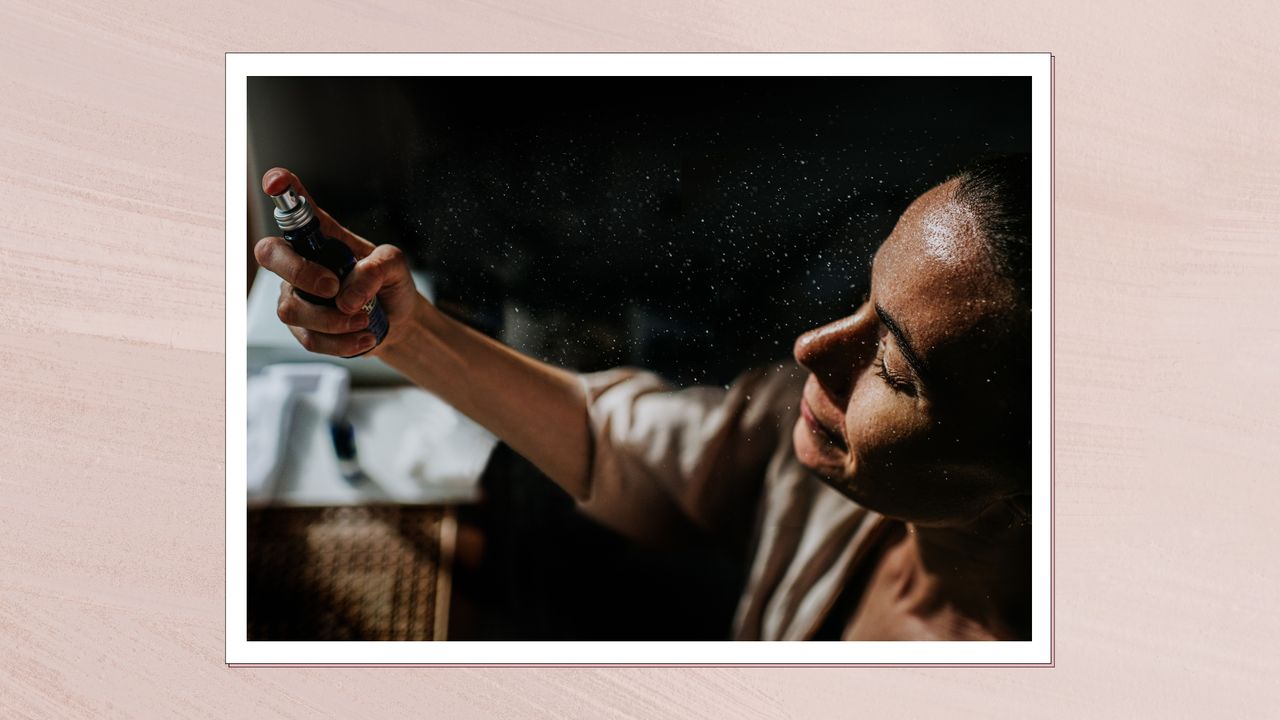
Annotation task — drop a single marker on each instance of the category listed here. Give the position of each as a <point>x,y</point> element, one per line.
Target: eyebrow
<point>908,351</point>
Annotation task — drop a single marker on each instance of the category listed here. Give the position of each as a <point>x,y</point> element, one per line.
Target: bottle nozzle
<point>286,201</point>
<point>292,211</point>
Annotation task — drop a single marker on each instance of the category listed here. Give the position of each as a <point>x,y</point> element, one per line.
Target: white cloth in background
<point>411,447</point>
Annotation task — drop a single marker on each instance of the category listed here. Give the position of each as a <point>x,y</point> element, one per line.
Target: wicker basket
<point>350,573</point>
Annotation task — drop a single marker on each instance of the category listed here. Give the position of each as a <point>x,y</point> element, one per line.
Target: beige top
<point>723,459</point>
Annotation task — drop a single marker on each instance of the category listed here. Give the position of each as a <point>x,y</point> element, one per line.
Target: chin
<point>831,465</point>
<point>820,456</point>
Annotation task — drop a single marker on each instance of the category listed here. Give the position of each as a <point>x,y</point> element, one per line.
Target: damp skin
<point>916,454</point>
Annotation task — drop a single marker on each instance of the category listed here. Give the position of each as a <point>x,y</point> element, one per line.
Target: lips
<point>811,420</point>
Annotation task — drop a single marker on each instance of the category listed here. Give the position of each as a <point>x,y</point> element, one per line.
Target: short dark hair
<point>998,191</point>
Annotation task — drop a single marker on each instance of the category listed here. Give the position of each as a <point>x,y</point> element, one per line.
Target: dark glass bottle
<point>301,229</point>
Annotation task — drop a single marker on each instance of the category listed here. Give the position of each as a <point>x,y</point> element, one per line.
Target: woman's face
<point>909,401</point>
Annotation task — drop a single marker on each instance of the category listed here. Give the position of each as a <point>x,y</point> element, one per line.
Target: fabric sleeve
<point>664,458</point>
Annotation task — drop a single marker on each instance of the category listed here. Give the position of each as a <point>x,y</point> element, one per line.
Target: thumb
<point>383,269</point>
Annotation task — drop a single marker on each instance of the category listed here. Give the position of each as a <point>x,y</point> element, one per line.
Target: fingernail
<point>359,322</point>
<point>327,286</point>
<point>368,341</point>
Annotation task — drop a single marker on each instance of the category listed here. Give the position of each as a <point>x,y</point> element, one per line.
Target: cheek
<point>903,463</point>
<point>879,422</point>
<point>889,442</point>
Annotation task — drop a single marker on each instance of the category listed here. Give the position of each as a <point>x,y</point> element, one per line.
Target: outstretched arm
<point>635,453</point>
<point>537,409</point>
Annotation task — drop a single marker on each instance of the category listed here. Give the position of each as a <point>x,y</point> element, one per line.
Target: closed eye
<point>897,383</point>
<point>903,343</point>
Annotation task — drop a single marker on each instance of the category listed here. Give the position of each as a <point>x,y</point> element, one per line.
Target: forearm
<point>536,408</point>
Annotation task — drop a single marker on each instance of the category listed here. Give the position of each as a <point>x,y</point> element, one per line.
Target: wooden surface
<point>111,359</point>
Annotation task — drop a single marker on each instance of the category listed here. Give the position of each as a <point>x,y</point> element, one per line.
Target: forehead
<point>934,276</point>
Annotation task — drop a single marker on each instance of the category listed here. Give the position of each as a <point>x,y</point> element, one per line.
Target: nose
<point>837,351</point>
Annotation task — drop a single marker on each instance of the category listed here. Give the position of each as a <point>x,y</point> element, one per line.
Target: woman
<point>882,494</point>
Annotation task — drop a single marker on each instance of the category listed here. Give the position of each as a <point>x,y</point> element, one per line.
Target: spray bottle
<point>301,229</point>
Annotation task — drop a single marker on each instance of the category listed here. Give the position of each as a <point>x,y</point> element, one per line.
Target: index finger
<point>274,254</point>
<point>278,179</point>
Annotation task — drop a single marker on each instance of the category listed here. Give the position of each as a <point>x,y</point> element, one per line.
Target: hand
<point>381,270</point>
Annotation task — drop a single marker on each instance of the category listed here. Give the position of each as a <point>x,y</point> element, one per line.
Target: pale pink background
<point>111,358</point>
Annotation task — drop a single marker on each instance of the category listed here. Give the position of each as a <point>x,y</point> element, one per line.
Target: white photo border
<point>1036,652</point>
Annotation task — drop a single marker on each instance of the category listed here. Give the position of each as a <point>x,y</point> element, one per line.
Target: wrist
<point>429,352</point>
<point>411,332</point>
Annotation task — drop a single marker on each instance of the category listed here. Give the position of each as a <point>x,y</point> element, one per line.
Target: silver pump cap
<point>292,211</point>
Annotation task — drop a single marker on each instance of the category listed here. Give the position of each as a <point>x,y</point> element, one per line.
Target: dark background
<point>692,226</point>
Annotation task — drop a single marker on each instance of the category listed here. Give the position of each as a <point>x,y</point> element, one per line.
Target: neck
<point>980,572</point>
